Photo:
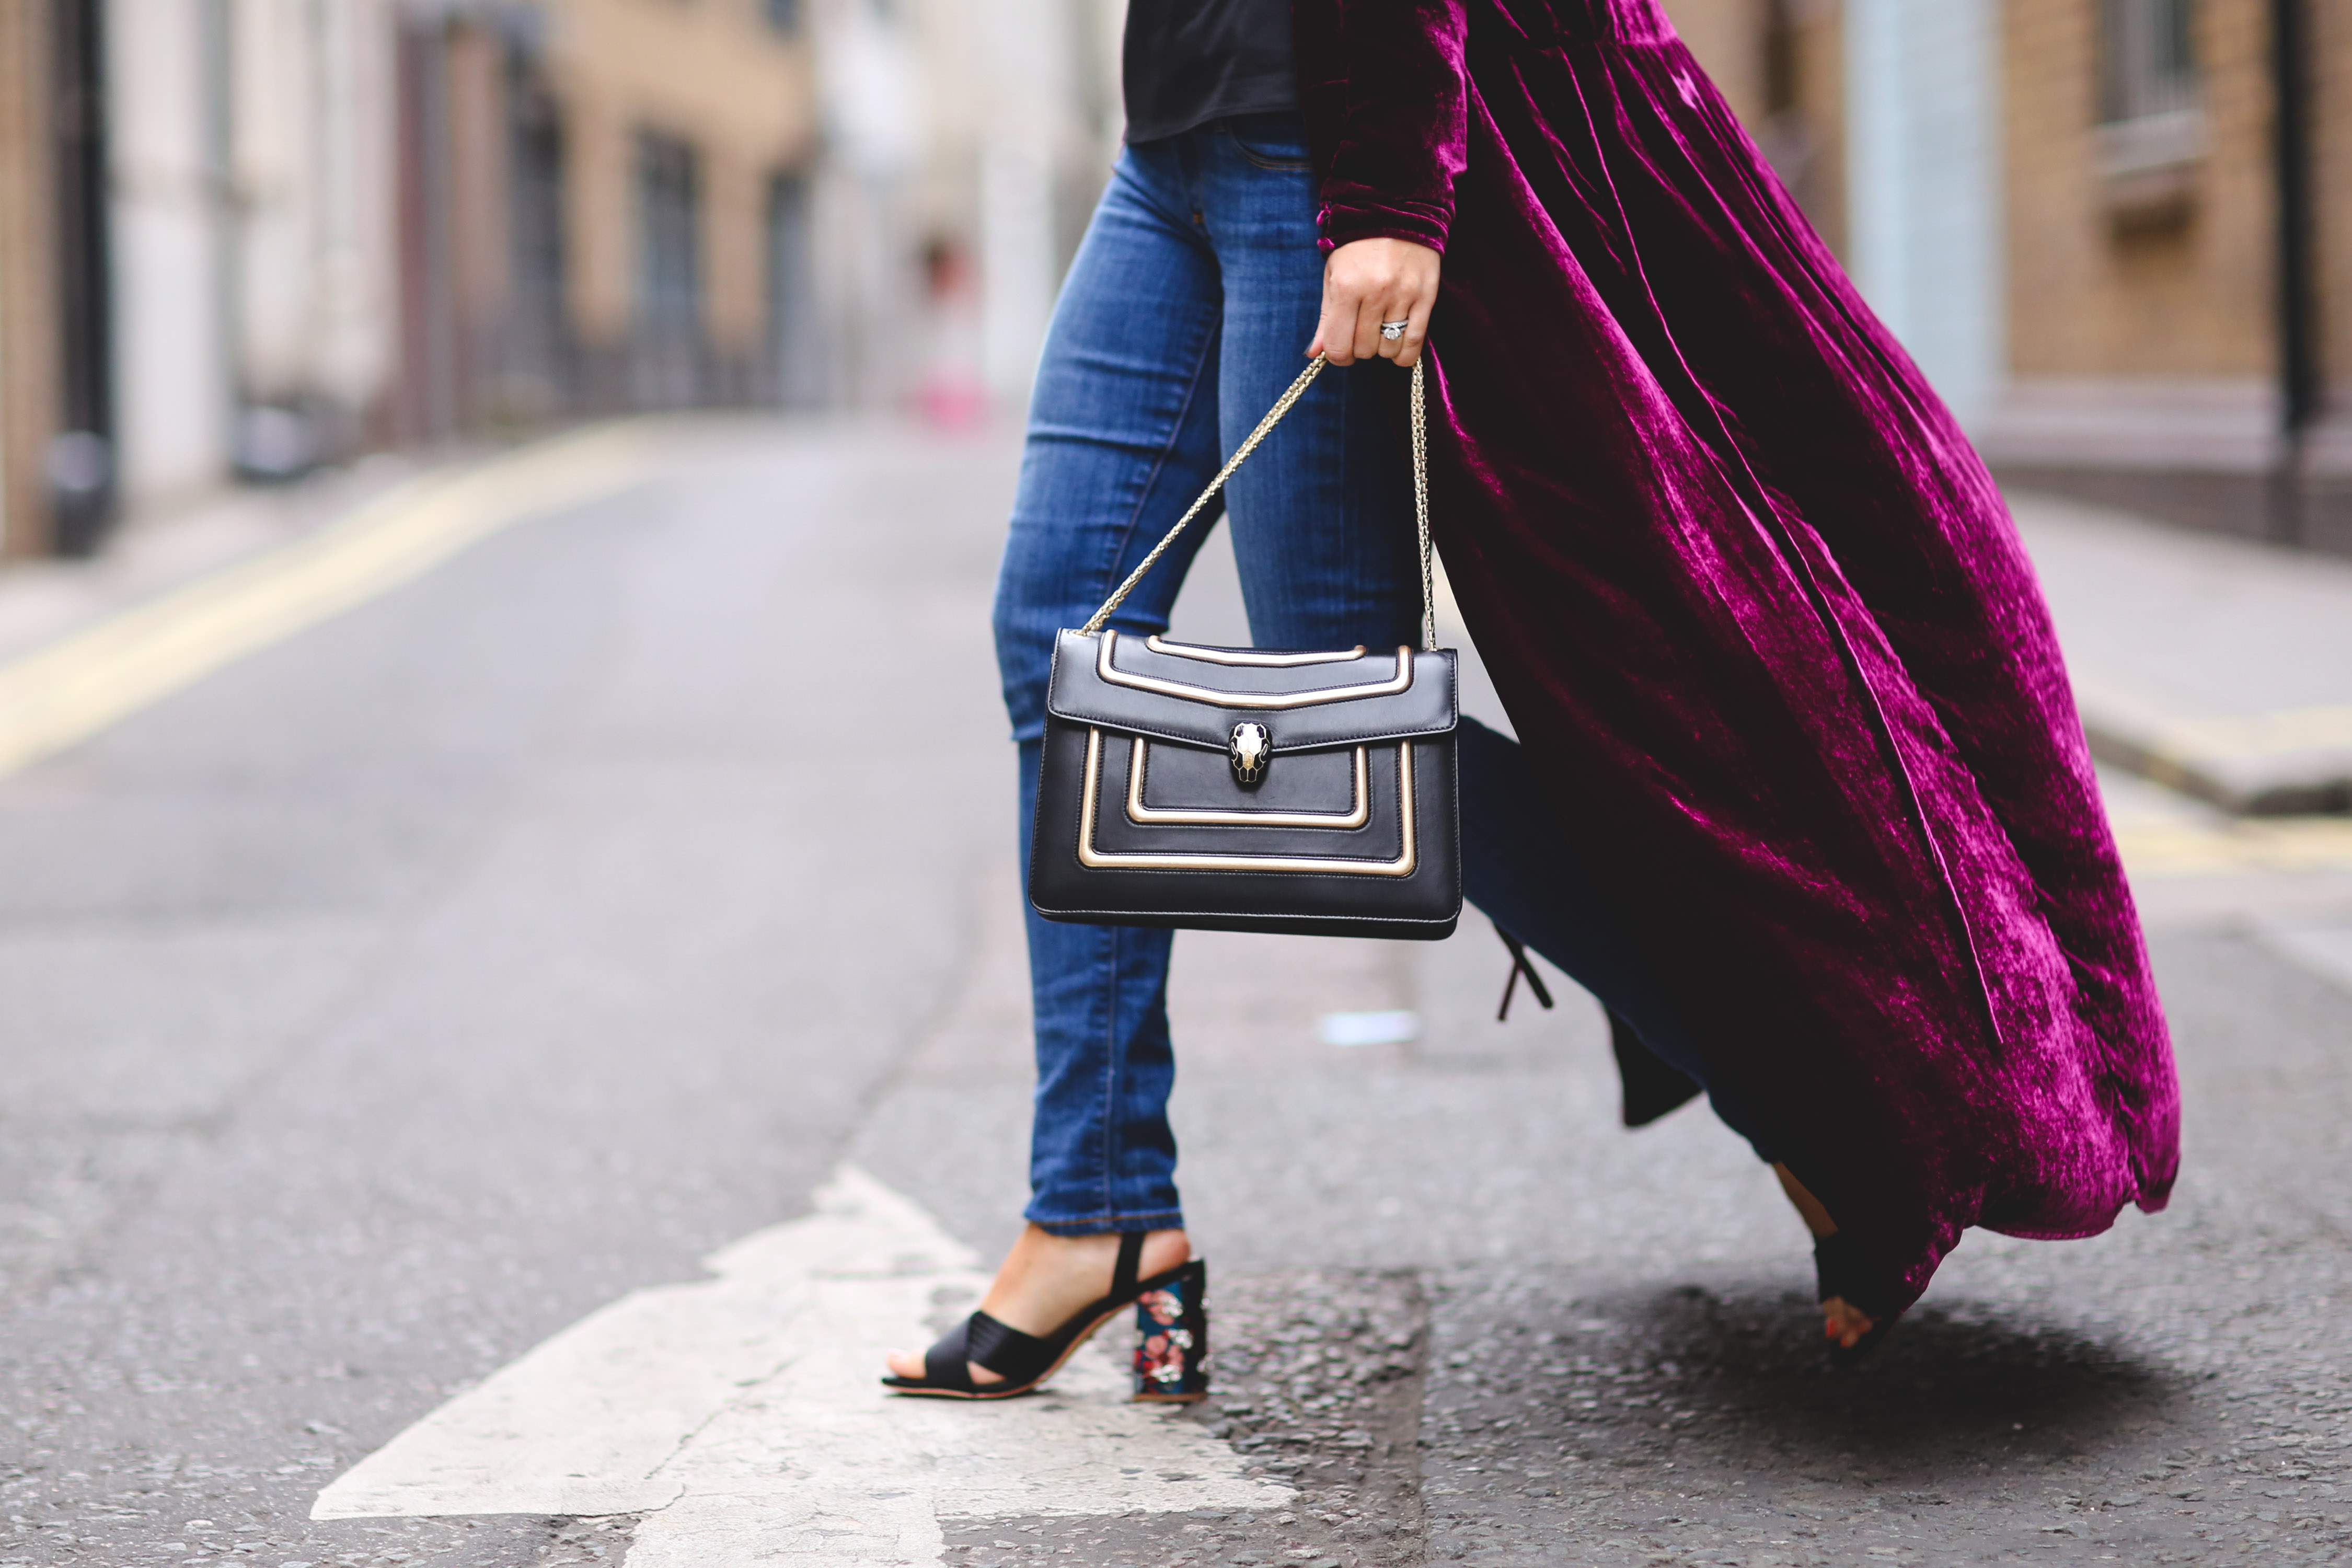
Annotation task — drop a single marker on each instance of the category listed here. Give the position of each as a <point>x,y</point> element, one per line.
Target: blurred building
<point>196,231</point>
<point>2168,349</point>
<point>1024,121</point>
<point>242,237</point>
<point>56,404</point>
<point>238,238</point>
<point>2092,225</point>
<point>606,204</point>
<point>250,232</point>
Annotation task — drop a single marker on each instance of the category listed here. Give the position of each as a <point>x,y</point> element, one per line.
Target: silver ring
<point>1394,329</point>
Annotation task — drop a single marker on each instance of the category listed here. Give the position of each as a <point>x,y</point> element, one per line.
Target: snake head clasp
<point>1248,750</point>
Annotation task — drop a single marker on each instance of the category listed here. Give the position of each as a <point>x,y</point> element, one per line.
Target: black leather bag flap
<point>1144,686</point>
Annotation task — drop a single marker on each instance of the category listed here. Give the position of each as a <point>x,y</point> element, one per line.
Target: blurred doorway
<point>538,359</point>
<point>668,370</point>
<point>796,342</point>
<point>80,464</point>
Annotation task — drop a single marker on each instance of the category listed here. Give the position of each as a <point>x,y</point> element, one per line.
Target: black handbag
<point>1245,789</point>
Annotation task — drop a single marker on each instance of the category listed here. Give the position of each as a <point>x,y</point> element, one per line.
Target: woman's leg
<point>1122,436</point>
<point>1521,866</point>
<point>1187,311</point>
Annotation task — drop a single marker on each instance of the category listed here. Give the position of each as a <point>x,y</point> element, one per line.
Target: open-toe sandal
<point>1172,1350</point>
<point>1840,1270</point>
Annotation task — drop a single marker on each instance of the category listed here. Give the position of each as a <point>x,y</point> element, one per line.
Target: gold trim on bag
<point>1407,859</point>
<point>1159,816</point>
<point>1401,681</point>
<point>1248,656</point>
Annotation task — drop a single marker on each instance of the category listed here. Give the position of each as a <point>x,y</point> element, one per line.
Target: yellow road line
<point>73,688</point>
<point>2191,848</point>
<point>2286,731</point>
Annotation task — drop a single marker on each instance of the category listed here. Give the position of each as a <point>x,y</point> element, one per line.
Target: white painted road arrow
<point>741,1415</point>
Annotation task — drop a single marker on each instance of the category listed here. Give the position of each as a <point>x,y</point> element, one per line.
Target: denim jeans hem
<point>1111,1225</point>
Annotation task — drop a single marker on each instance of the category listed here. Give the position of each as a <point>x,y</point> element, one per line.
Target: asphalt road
<point>403,995</point>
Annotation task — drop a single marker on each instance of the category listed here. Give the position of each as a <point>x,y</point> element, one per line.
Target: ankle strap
<point>1131,1262</point>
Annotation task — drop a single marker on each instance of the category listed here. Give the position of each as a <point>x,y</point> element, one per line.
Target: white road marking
<point>1390,1029</point>
<point>741,1414</point>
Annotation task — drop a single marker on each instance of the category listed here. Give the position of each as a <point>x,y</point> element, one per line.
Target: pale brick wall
<point>2093,297</point>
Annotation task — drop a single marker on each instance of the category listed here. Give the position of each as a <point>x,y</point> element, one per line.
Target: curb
<point>2203,781</point>
<point>2294,763</point>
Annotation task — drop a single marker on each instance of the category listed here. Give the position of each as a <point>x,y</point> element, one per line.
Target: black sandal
<point>1840,1270</point>
<point>1172,1352</point>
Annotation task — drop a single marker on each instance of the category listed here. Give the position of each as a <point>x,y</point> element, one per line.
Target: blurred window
<point>2152,119</point>
<point>2148,58</point>
<point>536,340</point>
<point>670,369</point>
<point>668,197</point>
<point>792,325</point>
<point>783,16</point>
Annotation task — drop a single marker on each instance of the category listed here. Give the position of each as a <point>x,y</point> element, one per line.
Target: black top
<point>1187,62</point>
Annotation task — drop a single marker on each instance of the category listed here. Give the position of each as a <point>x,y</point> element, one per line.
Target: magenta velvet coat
<point>1761,614</point>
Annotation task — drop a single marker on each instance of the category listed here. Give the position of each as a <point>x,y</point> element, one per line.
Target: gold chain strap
<point>1421,515</point>
<point>1274,416</point>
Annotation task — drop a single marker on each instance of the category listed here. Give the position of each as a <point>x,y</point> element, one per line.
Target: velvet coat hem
<point>1760,615</point>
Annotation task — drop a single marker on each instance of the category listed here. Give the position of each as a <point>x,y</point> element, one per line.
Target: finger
<point>1415,314</point>
<point>1368,330</point>
<point>1335,334</point>
<point>1326,340</point>
<point>1407,341</point>
<point>1417,330</point>
<point>1401,302</point>
<point>1392,311</point>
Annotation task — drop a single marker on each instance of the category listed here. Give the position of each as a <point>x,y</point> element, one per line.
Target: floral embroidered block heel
<point>1171,1331</point>
<point>1171,1363</point>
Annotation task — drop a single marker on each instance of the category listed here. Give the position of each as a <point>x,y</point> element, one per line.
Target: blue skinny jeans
<point>1186,313</point>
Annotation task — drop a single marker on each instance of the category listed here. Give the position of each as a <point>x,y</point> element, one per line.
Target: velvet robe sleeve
<point>1386,102</point>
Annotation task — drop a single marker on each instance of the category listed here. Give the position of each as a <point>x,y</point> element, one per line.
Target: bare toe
<point>1845,1323</point>
<point>907,1364</point>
